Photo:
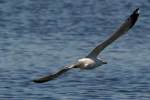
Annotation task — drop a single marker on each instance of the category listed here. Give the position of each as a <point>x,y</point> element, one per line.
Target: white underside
<point>88,63</point>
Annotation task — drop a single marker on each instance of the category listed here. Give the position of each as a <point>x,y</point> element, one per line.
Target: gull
<point>91,61</point>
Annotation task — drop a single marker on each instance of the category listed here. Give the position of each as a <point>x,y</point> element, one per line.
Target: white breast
<point>87,62</point>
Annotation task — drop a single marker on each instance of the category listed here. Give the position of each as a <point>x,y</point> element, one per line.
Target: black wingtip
<point>134,16</point>
<point>37,81</point>
<point>136,11</point>
<point>44,79</point>
<point>41,80</point>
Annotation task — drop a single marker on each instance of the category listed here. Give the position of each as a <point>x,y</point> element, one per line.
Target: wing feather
<point>128,24</point>
<point>53,76</point>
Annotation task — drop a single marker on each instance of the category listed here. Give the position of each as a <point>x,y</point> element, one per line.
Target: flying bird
<point>91,60</point>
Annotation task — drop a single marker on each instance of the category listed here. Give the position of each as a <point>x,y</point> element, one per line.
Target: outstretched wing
<point>53,76</point>
<point>129,23</point>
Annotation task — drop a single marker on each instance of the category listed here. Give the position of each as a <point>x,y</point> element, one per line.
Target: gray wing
<point>53,76</point>
<point>129,23</point>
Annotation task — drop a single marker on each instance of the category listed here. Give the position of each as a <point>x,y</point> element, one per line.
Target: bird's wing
<point>129,23</point>
<point>53,76</point>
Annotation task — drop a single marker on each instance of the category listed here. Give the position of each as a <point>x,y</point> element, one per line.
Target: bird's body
<point>91,61</point>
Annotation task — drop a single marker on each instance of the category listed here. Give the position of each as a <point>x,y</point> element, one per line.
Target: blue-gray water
<point>38,37</point>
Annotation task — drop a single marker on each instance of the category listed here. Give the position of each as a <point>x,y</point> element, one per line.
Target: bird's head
<point>102,61</point>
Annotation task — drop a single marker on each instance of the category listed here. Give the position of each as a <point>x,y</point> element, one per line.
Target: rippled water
<point>38,37</point>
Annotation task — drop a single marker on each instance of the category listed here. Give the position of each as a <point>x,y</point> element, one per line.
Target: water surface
<point>38,37</point>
